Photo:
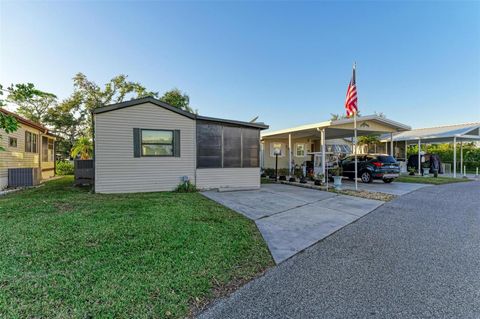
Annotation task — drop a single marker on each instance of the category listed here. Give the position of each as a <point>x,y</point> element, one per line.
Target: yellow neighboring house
<point>31,146</point>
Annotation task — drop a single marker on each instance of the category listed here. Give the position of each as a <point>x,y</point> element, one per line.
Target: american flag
<point>351,100</point>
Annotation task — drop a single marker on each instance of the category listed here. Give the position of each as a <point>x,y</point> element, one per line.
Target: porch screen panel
<point>232,142</point>
<point>209,145</point>
<point>251,147</point>
<point>44,149</point>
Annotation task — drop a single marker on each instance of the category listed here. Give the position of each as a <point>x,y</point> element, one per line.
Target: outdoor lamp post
<point>276,151</point>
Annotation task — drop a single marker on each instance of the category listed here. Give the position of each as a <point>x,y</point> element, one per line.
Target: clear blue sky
<point>287,62</point>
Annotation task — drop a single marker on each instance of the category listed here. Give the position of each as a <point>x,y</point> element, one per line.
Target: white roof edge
<point>467,126</point>
<point>474,124</point>
<point>337,122</point>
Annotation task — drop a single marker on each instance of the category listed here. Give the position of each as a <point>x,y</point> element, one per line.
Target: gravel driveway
<point>417,256</point>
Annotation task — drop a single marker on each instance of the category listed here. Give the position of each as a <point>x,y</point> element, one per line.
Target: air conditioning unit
<point>22,177</point>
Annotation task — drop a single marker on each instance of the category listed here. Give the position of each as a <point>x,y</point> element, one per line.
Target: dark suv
<point>371,166</point>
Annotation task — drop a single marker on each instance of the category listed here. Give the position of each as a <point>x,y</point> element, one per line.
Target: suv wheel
<point>366,177</point>
<point>388,180</point>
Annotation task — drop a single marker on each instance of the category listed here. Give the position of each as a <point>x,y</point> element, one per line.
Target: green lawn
<point>429,180</point>
<point>65,252</point>
<point>266,180</point>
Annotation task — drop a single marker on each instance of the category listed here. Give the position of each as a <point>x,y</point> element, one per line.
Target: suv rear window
<point>386,159</point>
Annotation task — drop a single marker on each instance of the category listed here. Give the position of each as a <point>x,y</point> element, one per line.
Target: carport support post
<point>391,144</point>
<point>406,152</point>
<point>462,171</point>
<point>322,140</point>
<point>290,155</point>
<point>419,159</point>
<point>454,157</point>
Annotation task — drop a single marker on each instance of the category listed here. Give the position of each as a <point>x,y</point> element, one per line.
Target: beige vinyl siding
<point>269,161</point>
<point>116,168</point>
<point>208,178</point>
<point>16,157</point>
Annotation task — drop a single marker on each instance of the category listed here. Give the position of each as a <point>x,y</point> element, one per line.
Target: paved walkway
<point>292,218</point>
<point>415,257</point>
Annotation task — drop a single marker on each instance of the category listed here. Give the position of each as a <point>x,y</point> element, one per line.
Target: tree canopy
<point>177,98</point>
<point>117,90</point>
<point>71,118</point>
<point>32,103</point>
<point>7,122</point>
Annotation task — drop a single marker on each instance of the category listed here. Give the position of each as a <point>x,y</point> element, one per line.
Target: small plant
<point>337,171</point>
<point>64,168</point>
<point>411,171</point>
<point>83,148</point>
<point>298,173</point>
<point>186,187</point>
<point>319,179</point>
<point>269,171</point>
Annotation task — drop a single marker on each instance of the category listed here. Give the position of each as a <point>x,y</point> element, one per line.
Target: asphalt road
<point>415,257</point>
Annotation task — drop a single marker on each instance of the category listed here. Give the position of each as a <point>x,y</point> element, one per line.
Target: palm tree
<point>335,117</point>
<point>83,147</point>
<point>368,140</point>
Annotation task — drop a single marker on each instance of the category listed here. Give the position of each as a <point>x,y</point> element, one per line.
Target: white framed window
<point>157,143</point>
<point>31,141</point>
<point>277,146</point>
<point>300,149</point>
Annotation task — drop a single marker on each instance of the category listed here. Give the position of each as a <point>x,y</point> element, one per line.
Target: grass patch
<point>429,180</point>
<point>267,180</point>
<point>68,253</point>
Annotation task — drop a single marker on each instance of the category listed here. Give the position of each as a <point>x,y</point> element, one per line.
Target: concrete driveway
<point>394,188</point>
<point>417,256</point>
<point>292,218</point>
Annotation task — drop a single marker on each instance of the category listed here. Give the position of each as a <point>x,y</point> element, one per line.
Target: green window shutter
<point>137,142</point>
<point>176,143</point>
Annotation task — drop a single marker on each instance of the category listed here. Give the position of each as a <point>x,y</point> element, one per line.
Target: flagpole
<point>355,134</point>
<point>355,130</point>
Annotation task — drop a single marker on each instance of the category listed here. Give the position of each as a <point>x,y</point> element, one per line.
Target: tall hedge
<point>471,153</point>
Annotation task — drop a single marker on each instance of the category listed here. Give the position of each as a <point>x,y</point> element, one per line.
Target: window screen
<point>44,149</point>
<point>209,145</point>
<point>31,141</point>
<point>51,153</point>
<point>250,147</point>
<point>232,142</point>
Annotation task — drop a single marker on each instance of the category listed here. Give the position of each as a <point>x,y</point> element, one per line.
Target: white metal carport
<point>366,125</point>
<point>468,132</point>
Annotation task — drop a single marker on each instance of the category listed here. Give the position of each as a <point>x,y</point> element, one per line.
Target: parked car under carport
<point>370,167</point>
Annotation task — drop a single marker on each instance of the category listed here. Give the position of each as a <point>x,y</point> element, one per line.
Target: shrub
<point>64,168</point>
<point>186,187</point>
<point>271,172</point>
